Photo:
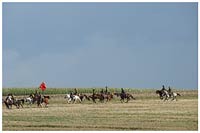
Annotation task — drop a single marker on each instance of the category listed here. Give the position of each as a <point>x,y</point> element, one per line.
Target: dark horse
<point>123,96</point>
<point>160,93</point>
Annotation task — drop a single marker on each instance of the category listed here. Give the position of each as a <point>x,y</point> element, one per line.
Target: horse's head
<point>67,96</point>
<point>116,94</point>
<point>158,91</point>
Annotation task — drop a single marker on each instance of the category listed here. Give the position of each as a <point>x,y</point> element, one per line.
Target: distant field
<point>147,112</point>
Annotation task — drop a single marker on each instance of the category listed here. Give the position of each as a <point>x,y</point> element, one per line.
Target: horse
<point>45,100</point>
<point>164,95</point>
<point>82,96</point>
<point>108,96</point>
<point>126,96</point>
<point>74,98</point>
<point>10,100</point>
<point>6,103</point>
<point>160,93</point>
<point>19,102</point>
<point>97,96</point>
<point>29,100</point>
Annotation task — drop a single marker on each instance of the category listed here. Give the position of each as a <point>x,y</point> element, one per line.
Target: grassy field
<point>147,112</point>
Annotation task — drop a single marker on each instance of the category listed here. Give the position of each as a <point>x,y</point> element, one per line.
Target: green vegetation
<point>48,91</point>
<point>27,91</point>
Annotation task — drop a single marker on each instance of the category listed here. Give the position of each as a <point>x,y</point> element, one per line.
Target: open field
<point>147,112</point>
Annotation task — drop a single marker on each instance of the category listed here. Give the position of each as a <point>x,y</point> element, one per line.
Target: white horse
<point>73,100</point>
<point>29,100</point>
<point>174,95</point>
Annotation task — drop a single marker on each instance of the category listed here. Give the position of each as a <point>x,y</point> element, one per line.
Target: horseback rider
<point>75,92</point>
<point>164,92</point>
<point>39,96</point>
<point>123,92</point>
<point>93,91</point>
<point>71,95</point>
<point>36,93</point>
<point>170,91</point>
<point>163,88</point>
<point>106,90</point>
<point>101,91</point>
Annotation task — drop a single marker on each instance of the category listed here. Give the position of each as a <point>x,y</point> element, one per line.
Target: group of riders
<point>103,95</point>
<point>33,98</point>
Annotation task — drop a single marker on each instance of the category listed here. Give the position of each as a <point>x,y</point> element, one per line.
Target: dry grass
<point>145,113</point>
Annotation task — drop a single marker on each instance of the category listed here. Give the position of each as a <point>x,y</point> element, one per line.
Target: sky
<point>130,45</point>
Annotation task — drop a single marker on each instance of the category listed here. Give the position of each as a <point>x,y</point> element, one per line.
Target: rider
<point>93,92</point>
<point>106,90</point>
<point>71,96</point>
<point>123,92</point>
<point>101,91</point>
<point>163,88</point>
<point>164,92</point>
<point>170,91</point>
<point>75,92</point>
<point>36,93</point>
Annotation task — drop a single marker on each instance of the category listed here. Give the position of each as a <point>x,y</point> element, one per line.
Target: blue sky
<point>133,45</point>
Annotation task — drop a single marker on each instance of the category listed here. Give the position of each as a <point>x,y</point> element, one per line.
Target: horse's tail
<point>178,94</point>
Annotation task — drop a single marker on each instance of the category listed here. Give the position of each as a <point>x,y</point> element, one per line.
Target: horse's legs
<point>69,100</point>
<point>107,99</point>
<point>175,98</point>
<point>127,99</point>
<point>74,100</point>
<point>122,100</point>
<point>80,101</point>
<point>93,99</point>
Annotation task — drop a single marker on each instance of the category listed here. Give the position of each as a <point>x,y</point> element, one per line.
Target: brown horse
<point>45,100</point>
<point>82,96</point>
<point>97,96</point>
<point>108,96</point>
<point>123,96</point>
